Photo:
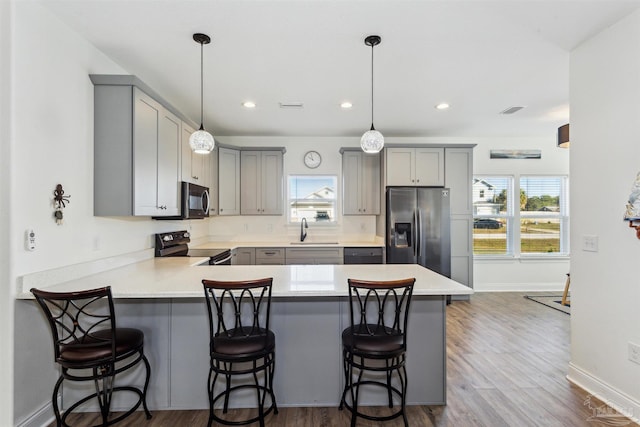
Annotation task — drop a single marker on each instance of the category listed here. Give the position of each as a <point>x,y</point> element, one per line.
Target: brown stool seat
<point>380,343</point>
<point>96,346</point>
<point>89,348</point>
<point>239,345</point>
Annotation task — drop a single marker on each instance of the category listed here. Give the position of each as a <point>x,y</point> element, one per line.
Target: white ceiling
<point>479,56</point>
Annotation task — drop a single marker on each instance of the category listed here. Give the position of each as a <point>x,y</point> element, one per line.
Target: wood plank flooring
<point>507,362</point>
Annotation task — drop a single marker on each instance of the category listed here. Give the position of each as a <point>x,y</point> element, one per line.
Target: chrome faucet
<point>303,225</point>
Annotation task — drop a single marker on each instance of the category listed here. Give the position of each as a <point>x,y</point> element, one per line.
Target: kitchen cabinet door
<point>360,183</point>
<point>156,137</point>
<point>243,256</point>
<point>213,182</point>
<point>261,183</point>
<point>228,181</point>
<point>400,164</point>
<point>429,167</point>
<point>459,179</point>
<point>415,166</point>
<point>194,166</point>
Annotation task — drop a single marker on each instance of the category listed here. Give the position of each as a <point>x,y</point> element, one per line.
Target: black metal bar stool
<point>88,347</point>
<point>376,342</point>
<point>240,343</point>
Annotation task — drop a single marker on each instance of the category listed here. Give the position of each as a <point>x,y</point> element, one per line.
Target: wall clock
<point>312,159</point>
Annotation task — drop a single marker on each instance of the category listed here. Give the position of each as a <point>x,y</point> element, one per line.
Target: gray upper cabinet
<point>459,178</point>
<point>261,183</point>
<point>228,181</point>
<point>415,166</point>
<point>361,183</point>
<point>195,167</point>
<point>213,181</point>
<point>136,152</point>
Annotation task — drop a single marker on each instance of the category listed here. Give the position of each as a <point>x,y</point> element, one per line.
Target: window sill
<point>521,258</point>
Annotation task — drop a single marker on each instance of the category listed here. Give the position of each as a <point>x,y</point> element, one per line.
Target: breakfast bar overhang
<point>164,298</point>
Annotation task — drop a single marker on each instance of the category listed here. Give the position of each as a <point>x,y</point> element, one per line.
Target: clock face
<point>312,159</point>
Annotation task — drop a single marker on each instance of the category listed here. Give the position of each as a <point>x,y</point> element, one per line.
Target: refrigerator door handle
<point>418,234</point>
<point>414,225</point>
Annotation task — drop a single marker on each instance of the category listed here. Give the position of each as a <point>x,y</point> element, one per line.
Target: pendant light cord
<point>201,86</point>
<point>372,86</point>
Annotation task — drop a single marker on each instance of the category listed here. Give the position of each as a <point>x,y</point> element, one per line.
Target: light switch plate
<point>590,243</point>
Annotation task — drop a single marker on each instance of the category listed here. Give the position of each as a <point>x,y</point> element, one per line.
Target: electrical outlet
<point>634,352</point>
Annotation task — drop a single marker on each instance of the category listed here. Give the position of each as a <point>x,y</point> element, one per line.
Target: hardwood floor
<point>507,361</point>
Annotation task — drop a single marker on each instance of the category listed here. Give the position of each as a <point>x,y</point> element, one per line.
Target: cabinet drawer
<point>270,254</point>
<point>314,255</point>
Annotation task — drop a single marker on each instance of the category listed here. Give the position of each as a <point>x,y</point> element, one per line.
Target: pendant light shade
<point>563,136</point>
<point>372,141</point>
<point>201,141</point>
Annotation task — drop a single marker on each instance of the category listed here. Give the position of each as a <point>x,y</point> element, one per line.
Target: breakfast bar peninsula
<point>164,297</point>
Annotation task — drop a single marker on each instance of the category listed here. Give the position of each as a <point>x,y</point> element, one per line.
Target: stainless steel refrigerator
<point>418,227</point>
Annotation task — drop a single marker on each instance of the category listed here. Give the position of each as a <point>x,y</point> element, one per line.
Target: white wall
<point>6,295</point>
<point>52,123</point>
<point>605,153</point>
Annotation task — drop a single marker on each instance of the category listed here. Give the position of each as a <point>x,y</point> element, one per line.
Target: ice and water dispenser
<point>402,234</point>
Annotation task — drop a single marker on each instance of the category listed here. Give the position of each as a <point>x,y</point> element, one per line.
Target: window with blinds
<point>521,215</point>
<point>543,215</point>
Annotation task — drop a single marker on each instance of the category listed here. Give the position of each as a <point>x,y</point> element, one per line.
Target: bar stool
<point>240,343</point>
<point>376,342</point>
<point>88,347</point>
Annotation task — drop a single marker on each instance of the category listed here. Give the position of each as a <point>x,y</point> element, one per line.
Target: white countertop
<point>181,277</point>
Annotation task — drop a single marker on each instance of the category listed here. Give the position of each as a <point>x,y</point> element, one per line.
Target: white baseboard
<point>42,417</point>
<point>617,400</point>
<point>518,287</point>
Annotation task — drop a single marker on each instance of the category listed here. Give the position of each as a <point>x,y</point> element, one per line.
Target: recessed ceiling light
<point>249,104</point>
<point>442,106</point>
<point>346,105</point>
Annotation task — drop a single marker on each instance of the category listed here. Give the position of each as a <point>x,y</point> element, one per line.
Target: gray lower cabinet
<point>313,256</point>
<point>270,256</point>
<point>243,256</point>
<point>136,153</point>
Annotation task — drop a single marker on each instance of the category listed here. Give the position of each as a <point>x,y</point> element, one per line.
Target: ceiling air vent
<point>291,105</point>
<point>511,110</point>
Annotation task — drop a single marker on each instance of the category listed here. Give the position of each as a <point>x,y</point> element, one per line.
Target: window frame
<point>335,206</point>
<point>513,217</point>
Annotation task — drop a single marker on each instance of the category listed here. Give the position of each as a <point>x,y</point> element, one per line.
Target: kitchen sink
<point>314,243</point>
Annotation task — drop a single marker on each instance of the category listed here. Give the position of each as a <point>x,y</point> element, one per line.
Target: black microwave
<point>194,204</point>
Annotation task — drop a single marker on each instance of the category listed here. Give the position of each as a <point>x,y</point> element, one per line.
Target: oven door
<point>223,258</point>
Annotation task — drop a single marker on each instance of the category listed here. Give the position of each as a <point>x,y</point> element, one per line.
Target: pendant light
<point>372,141</point>
<point>201,141</point>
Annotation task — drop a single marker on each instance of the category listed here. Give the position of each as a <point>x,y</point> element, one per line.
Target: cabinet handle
<point>418,180</point>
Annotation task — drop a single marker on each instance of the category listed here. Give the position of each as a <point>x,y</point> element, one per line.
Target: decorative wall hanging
<point>632,213</point>
<point>59,202</point>
<point>515,154</point>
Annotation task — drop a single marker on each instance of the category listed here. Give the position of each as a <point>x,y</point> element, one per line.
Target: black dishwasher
<point>360,255</point>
